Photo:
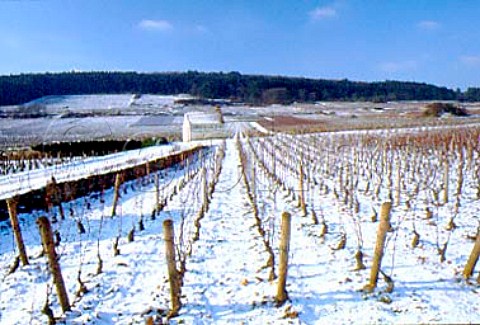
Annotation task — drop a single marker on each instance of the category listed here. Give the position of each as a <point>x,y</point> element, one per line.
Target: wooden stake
<point>49,248</point>
<point>314,217</point>
<point>204,185</point>
<point>118,182</point>
<point>157,193</point>
<point>460,175</point>
<point>57,197</point>
<point>147,168</point>
<point>282,294</point>
<point>12,211</point>
<point>383,228</point>
<point>446,173</point>
<point>473,259</point>
<point>169,238</point>
<point>398,190</point>
<point>301,196</point>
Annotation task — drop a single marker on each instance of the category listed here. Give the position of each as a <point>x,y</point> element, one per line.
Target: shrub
<point>437,109</point>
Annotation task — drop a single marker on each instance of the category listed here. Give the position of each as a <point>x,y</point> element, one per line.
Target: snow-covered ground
<point>25,132</point>
<point>227,274</point>
<point>96,102</point>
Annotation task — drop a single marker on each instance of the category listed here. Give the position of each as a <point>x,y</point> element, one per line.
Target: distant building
<point>201,125</point>
<point>187,129</point>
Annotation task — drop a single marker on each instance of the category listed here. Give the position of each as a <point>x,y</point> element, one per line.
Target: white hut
<point>187,128</point>
<point>201,125</point>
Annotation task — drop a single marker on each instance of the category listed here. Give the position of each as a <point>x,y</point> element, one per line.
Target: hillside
<point>257,89</point>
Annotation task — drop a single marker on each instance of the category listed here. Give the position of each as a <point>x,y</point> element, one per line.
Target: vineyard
<point>378,226</point>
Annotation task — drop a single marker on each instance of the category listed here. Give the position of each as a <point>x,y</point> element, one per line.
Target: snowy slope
<point>77,102</point>
<point>96,102</point>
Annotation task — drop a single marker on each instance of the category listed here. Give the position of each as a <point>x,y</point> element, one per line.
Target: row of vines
<point>420,188</point>
<point>90,232</point>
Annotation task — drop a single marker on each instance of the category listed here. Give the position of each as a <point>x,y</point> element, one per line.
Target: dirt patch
<point>278,123</point>
<point>337,122</point>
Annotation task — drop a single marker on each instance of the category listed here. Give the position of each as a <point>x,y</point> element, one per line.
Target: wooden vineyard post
<point>169,238</point>
<point>383,228</point>
<point>282,294</point>
<point>473,259</point>
<point>398,190</point>
<point>56,197</point>
<point>116,190</point>
<point>12,211</point>
<point>204,187</point>
<point>49,248</point>
<point>187,168</point>
<point>147,169</point>
<point>445,179</point>
<point>157,192</point>
<point>301,196</point>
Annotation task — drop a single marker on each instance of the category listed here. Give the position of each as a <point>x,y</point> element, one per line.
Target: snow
<point>83,101</point>
<point>95,102</point>
<point>226,279</point>
<point>260,128</point>
<point>201,118</point>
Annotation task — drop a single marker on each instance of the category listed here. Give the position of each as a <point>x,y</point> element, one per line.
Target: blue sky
<point>434,41</point>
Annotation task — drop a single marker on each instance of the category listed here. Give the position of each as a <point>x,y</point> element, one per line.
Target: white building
<point>200,124</point>
<point>187,129</point>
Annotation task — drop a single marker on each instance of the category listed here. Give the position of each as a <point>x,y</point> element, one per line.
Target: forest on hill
<point>253,89</point>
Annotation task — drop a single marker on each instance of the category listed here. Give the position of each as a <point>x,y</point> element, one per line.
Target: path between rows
<point>225,281</point>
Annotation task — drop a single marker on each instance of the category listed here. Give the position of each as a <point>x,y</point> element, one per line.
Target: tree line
<point>254,89</point>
